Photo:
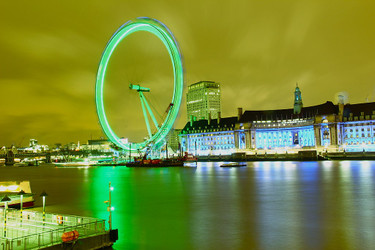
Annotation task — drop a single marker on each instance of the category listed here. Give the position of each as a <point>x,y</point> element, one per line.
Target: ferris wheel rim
<point>157,28</point>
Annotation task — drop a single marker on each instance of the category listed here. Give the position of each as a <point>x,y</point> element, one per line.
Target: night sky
<point>257,50</point>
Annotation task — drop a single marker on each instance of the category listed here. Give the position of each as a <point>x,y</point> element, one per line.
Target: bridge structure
<point>11,155</point>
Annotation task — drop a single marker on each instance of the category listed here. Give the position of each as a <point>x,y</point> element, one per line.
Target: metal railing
<point>32,232</point>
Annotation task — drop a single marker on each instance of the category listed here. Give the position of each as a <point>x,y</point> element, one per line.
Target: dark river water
<point>265,205</point>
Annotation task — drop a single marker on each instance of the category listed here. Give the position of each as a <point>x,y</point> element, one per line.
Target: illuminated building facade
<point>324,127</point>
<point>173,140</point>
<point>35,147</point>
<point>203,100</point>
<point>356,131</point>
<point>209,137</point>
<point>101,145</point>
<point>284,129</point>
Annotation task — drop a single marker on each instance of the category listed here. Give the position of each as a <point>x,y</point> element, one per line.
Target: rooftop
<point>367,108</point>
<point>282,114</point>
<point>228,122</point>
<point>206,84</point>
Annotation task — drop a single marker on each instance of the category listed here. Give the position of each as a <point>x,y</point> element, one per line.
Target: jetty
<point>32,230</point>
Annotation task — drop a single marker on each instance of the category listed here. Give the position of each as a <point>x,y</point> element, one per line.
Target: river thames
<point>264,205</point>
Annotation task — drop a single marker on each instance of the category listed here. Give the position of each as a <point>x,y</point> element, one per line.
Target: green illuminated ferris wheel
<point>162,128</point>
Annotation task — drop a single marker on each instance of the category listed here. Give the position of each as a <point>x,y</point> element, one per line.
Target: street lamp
<point>166,149</point>
<point>44,195</point>
<point>5,199</point>
<point>109,207</point>
<point>21,193</point>
<point>130,152</point>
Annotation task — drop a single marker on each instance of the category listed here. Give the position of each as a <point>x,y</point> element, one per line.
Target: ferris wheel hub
<point>139,88</point>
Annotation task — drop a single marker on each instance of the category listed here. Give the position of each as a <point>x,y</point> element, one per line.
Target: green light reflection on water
<point>122,199</point>
<point>144,199</point>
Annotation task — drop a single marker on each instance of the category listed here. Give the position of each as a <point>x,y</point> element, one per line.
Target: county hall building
<point>324,127</point>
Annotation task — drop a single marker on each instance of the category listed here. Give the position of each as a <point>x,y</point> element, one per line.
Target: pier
<point>30,230</point>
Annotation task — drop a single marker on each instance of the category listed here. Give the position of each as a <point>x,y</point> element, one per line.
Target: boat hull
<point>155,165</point>
<point>233,165</point>
<point>12,189</point>
<point>15,202</point>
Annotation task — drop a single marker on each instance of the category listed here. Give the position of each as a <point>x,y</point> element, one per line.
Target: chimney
<point>218,117</point>
<point>209,118</point>
<point>341,107</point>
<point>239,113</point>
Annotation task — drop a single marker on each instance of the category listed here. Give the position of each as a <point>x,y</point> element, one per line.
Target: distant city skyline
<point>256,50</point>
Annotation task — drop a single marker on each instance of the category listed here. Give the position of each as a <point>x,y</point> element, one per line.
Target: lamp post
<point>109,207</point>
<point>166,150</point>
<point>44,195</point>
<point>21,193</point>
<point>5,199</point>
<point>130,152</point>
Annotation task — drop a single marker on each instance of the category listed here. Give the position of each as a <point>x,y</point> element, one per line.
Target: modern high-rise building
<point>203,100</point>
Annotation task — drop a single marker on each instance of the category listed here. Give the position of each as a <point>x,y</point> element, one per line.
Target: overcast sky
<point>257,50</point>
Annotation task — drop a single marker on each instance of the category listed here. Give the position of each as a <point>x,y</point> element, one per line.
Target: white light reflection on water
<point>277,204</point>
<point>216,189</point>
<point>358,194</point>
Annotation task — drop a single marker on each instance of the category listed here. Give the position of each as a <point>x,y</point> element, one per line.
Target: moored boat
<point>189,157</point>
<point>155,163</point>
<point>12,189</point>
<point>233,164</point>
<point>86,162</point>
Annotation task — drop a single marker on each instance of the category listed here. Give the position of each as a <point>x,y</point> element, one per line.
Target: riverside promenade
<point>31,232</point>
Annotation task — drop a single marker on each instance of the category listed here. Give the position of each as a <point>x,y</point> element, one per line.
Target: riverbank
<point>307,155</point>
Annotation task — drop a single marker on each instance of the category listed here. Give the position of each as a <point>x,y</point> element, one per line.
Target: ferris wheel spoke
<point>145,115</point>
<point>149,110</point>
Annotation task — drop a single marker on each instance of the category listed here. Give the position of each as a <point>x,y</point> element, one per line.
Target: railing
<point>283,123</point>
<point>33,233</point>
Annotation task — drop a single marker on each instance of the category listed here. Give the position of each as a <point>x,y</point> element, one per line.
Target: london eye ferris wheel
<point>156,130</point>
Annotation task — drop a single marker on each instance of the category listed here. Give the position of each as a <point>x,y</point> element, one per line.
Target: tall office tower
<point>202,99</point>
